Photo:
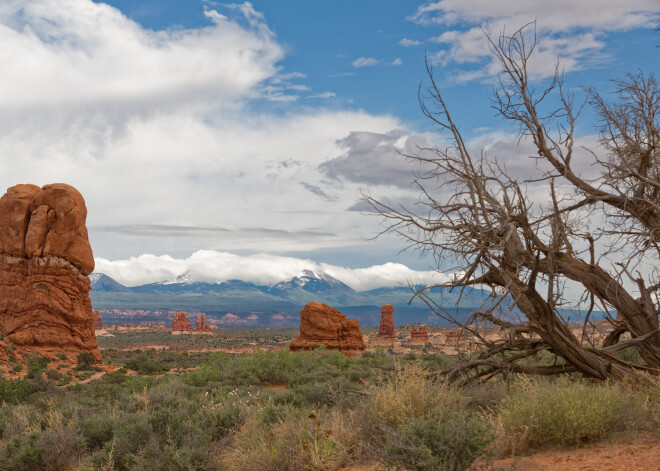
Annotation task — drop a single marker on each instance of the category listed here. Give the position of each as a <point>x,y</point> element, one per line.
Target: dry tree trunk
<point>480,217</point>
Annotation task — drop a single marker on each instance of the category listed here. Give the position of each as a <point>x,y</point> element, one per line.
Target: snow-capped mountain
<point>312,282</point>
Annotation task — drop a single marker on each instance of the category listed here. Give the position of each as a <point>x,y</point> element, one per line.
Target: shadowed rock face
<point>45,258</point>
<point>320,324</point>
<point>386,328</point>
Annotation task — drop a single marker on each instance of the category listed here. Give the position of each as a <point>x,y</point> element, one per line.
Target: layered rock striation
<point>45,260</point>
<point>322,325</point>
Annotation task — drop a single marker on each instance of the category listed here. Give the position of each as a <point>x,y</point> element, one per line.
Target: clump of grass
<point>409,394</point>
<point>538,413</point>
<point>425,425</point>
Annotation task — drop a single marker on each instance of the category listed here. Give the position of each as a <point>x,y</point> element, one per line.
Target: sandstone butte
<point>386,328</point>
<point>181,324</point>
<point>419,335</point>
<point>322,325</point>
<point>45,260</point>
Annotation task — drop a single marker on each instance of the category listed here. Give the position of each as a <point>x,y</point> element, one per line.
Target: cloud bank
<point>262,269</point>
<point>570,31</point>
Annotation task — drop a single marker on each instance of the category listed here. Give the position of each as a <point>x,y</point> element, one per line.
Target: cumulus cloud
<point>157,128</point>
<point>405,42</point>
<point>263,269</point>
<point>365,62</point>
<point>570,31</point>
<point>376,158</point>
<point>397,62</point>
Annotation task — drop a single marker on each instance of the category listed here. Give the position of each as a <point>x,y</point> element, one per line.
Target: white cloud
<point>397,62</point>
<point>216,267</point>
<point>365,62</point>
<point>65,52</point>
<point>323,95</point>
<point>569,30</point>
<point>153,128</point>
<point>405,42</point>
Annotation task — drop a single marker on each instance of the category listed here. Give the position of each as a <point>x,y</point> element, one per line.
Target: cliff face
<point>45,258</point>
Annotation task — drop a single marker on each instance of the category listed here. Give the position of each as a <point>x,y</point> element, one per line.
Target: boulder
<point>386,328</point>
<point>322,325</point>
<point>181,324</point>
<point>45,258</point>
<point>419,335</point>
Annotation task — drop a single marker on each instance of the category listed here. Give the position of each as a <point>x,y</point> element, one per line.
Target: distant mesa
<point>419,336</point>
<point>181,324</point>
<point>45,260</point>
<point>322,325</point>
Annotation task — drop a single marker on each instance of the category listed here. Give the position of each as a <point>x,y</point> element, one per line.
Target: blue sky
<point>250,129</point>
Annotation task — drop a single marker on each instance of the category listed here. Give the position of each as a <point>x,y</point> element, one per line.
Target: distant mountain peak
<point>312,282</point>
<point>102,282</point>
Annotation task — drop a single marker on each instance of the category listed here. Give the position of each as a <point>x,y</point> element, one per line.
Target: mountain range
<point>278,305</point>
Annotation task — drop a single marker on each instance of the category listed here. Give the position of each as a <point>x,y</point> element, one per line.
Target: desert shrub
<point>53,375</point>
<point>97,429</point>
<point>17,368</point>
<point>61,356</point>
<point>35,365</point>
<point>22,454</point>
<point>424,425</point>
<point>15,391</point>
<point>146,366</point>
<point>85,358</point>
<point>443,439</point>
<point>319,441</point>
<point>408,394</point>
<point>564,412</point>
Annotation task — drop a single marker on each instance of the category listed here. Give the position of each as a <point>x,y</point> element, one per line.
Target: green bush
<point>35,365</point>
<point>537,413</point>
<point>85,358</point>
<point>449,439</point>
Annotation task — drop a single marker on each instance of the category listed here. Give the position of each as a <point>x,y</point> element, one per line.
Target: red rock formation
<point>45,258</point>
<point>386,328</point>
<point>454,338</point>
<point>419,335</point>
<point>181,324</point>
<point>202,326</point>
<point>197,323</point>
<point>98,321</point>
<point>320,324</point>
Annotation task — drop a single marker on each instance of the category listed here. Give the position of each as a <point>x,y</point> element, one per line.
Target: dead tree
<point>598,234</point>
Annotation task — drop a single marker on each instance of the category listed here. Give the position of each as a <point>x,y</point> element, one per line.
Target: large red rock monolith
<point>45,260</point>
<point>322,325</point>
<point>181,324</point>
